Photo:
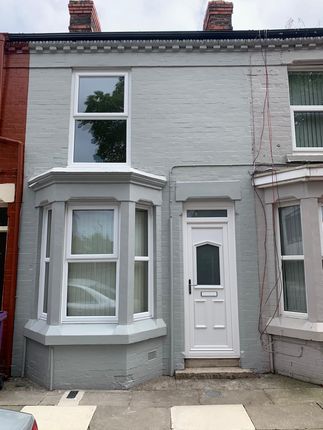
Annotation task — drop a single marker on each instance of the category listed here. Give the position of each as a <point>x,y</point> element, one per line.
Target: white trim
<point>229,222</point>
<point>43,261</point>
<point>92,258</point>
<point>297,174</point>
<point>75,115</point>
<point>150,259</point>
<point>7,193</point>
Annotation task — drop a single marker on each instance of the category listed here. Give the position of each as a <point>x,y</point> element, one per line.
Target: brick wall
<point>14,65</point>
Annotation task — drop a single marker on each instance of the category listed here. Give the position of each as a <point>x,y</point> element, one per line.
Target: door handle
<point>190,285</point>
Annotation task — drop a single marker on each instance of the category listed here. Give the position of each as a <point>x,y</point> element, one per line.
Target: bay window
<point>45,262</point>
<point>143,263</point>
<point>100,118</point>
<point>306,101</point>
<point>292,260</point>
<point>91,263</point>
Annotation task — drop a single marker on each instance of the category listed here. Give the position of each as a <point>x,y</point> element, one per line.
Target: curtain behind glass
<point>141,267</point>
<point>306,89</point>
<point>91,289</point>
<point>92,232</point>
<point>292,270</point>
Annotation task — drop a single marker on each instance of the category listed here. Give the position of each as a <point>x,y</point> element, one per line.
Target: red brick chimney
<point>218,16</point>
<point>83,16</point>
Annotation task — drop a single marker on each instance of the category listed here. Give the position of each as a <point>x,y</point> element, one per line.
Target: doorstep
<point>214,373</point>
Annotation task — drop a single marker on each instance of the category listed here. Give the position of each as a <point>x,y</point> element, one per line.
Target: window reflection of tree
<point>108,135</point>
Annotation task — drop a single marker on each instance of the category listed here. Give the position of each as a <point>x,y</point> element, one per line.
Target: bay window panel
<point>294,286</point>
<point>290,230</point>
<point>49,227</point>
<point>141,287</point>
<point>46,278</point>
<point>91,289</point>
<point>92,232</point>
<point>141,233</point>
<point>101,94</point>
<point>100,141</point>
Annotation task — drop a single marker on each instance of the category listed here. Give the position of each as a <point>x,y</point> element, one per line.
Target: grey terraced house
<point>172,207</point>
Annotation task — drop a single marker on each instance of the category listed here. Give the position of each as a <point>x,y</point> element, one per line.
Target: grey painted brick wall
<point>186,108</point>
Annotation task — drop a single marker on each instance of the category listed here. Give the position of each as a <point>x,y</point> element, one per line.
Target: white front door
<point>211,306</point>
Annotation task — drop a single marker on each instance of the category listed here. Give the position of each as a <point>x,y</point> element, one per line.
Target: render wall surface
<point>186,109</point>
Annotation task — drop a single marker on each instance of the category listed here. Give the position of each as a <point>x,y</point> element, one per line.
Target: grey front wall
<point>186,109</point>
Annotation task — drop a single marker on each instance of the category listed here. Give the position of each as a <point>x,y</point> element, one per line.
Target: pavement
<point>272,402</point>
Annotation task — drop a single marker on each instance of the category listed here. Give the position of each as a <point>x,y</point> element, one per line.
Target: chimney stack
<point>83,16</point>
<point>218,16</point>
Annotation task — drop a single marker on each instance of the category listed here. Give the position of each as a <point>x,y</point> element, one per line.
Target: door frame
<point>232,275</point>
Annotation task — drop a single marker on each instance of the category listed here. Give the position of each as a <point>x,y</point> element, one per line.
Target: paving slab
<point>51,398</point>
<point>161,383</point>
<point>106,398</point>
<point>286,417</point>
<point>163,399</point>
<point>273,381</point>
<point>222,417</point>
<point>296,395</point>
<point>142,419</point>
<point>62,418</point>
<point>216,384</point>
<point>251,397</point>
<point>20,398</point>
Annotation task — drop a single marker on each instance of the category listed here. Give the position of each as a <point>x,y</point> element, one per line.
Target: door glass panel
<point>207,213</point>
<point>208,265</point>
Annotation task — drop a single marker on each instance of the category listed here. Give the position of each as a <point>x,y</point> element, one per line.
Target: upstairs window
<point>100,118</point>
<point>306,100</point>
<point>292,259</point>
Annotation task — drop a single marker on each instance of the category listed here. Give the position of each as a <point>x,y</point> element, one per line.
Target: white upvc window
<point>44,263</point>
<point>294,302</point>
<point>100,120</point>
<point>91,268</point>
<point>306,104</point>
<point>143,264</point>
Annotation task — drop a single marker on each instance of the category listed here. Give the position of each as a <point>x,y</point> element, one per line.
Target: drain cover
<point>72,395</point>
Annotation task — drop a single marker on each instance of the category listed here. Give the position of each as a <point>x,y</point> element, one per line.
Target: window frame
<point>91,258</point>
<point>43,260</point>
<point>150,258</point>
<point>303,108</point>
<point>75,115</point>
<point>281,258</point>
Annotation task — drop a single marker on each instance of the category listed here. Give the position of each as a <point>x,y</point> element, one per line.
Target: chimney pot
<point>83,16</point>
<point>218,16</point>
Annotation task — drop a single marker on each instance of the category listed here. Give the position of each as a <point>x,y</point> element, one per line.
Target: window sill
<point>296,328</point>
<point>94,334</point>
<point>305,157</point>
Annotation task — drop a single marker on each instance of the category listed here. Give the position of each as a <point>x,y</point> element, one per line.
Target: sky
<point>47,16</point>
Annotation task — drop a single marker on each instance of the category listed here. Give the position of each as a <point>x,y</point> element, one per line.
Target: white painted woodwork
<point>211,310</point>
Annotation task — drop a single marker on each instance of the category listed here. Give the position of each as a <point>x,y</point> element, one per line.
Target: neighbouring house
<point>14,70</point>
<point>172,202</point>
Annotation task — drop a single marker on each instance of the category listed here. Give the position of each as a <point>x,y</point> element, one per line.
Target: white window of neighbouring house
<point>143,264</point>
<point>91,275</point>
<point>292,260</point>
<point>100,128</point>
<point>306,101</point>
<point>45,263</point>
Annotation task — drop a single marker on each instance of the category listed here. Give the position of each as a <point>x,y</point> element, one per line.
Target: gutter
<point>281,34</point>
